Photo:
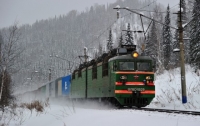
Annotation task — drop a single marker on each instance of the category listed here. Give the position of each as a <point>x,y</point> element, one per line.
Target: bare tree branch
<point>9,54</point>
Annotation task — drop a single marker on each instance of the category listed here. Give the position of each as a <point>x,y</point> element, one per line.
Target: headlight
<point>123,77</point>
<point>135,54</point>
<point>148,78</point>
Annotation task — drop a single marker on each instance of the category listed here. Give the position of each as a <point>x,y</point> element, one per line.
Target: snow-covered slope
<point>168,90</point>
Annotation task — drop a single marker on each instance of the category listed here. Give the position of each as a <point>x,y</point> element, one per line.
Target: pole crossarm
<point>146,17</point>
<point>133,31</point>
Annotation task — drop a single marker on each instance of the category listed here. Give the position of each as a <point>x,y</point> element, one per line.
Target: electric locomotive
<point>122,76</point>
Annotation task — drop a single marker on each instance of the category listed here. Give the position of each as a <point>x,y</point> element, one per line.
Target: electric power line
<point>123,17</point>
<point>148,4</point>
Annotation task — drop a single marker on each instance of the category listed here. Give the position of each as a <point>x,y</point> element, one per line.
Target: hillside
<point>66,36</point>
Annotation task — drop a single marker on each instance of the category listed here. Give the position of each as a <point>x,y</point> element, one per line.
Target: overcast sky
<point>28,11</point>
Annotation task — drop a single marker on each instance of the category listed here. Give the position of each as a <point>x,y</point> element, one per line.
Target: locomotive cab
<point>133,78</point>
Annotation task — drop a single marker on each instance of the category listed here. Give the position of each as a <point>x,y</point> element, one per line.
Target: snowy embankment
<point>168,95</point>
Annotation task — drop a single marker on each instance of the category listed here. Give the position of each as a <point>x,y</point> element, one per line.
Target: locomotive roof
<point>128,56</point>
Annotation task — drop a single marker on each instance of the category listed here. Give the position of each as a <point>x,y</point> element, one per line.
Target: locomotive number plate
<point>136,89</point>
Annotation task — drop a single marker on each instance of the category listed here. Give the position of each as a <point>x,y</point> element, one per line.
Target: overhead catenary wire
<point>148,4</point>
<point>114,23</point>
<point>125,16</point>
<point>140,9</point>
<point>149,18</point>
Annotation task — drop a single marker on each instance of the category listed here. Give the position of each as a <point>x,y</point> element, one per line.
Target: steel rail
<point>170,111</point>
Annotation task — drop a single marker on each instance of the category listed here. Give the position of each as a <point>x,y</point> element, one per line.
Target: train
<point>122,77</point>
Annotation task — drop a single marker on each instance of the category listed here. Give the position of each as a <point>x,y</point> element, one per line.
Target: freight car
<point>122,77</point>
<point>56,89</point>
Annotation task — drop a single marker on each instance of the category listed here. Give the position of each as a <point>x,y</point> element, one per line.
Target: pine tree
<point>159,28</point>
<point>109,41</point>
<point>1,42</point>
<point>146,50</point>
<point>167,39</point>
<point>151,46</point>
<point>186,33</point>
<point>195,35</point>
<point>100,50</point>
<point>183,15</point>
<point>152,43</point>
<point>129,36</point>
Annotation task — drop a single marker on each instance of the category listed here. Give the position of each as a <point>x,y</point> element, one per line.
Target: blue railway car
<point>66,85</point>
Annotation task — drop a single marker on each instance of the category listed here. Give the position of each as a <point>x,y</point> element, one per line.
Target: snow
<point>181,9</point>
<point>176,50</point>
<point>168,96</point>
<point>117,7</point>
<point>168,90</point>
<point>126,117</point>
<point>141,13</point>
<point>186,38</point>
<point>58,115</point>
<point>183,25</point>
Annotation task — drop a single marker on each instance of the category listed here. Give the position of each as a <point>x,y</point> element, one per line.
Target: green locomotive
<point>122,77</point>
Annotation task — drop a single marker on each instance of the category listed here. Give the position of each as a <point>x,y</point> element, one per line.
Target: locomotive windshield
<point>143,66</point>
<point>126,65</point>
<point>137,66</point>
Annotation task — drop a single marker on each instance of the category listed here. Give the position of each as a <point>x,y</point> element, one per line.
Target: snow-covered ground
<point>168,95</point>
<point>59,115</point>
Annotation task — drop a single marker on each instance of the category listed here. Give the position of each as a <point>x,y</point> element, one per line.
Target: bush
<point>37,105</point>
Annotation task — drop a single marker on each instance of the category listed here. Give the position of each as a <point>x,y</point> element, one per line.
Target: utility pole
<point>182,62</point>
<point>85,55</point>
<point>49,74</point>
<point>69,67</point>
<point>117,14</point>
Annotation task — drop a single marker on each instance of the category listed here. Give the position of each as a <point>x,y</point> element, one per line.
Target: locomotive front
<point>133,78</point>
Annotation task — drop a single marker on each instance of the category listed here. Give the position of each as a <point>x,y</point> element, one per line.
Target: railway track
<point>197,113</point>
